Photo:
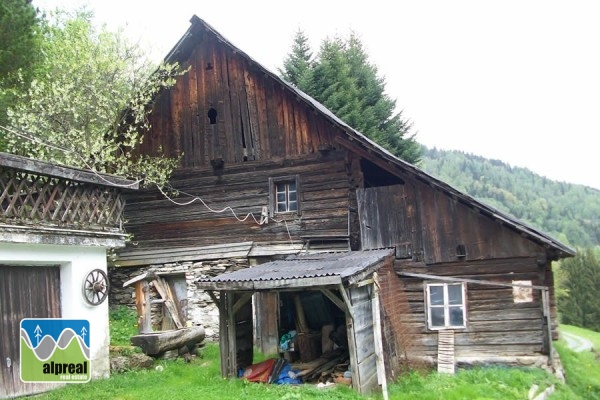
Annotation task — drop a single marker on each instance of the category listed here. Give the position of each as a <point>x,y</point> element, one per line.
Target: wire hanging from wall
<point>264,219</point>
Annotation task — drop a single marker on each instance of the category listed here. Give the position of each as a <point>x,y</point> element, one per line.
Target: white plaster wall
<point>75,263</point>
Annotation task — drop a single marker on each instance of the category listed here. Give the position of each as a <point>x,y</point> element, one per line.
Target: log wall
<point>157,222</point>
<point>497,326</point>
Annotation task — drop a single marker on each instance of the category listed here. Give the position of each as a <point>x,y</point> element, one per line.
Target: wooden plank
<point>380,360</point>
<point>160,286</point>
<point>446,351</point>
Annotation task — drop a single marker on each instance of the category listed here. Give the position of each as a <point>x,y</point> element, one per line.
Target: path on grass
<point>576,342</point>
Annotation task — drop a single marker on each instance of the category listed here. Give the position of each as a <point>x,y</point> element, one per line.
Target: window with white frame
<point>446,305</point>
<point>284,195</point>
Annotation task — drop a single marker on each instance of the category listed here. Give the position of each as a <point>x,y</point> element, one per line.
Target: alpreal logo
<point>55,350</point>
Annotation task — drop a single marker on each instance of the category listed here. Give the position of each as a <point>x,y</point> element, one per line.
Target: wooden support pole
<point>380,362</point>
<point>223,333</point>
<point>231,335</point>
<point>143,305</point>
<point>342,290</point>
<point>546,305</point>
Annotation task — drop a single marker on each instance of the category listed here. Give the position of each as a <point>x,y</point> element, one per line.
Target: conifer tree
<point>344,80</point>
<point>580,303</point>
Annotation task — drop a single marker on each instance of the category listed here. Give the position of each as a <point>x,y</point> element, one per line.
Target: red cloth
<point>259,372</point>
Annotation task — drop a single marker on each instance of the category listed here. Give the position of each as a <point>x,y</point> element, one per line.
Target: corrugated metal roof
<point>341,265</point>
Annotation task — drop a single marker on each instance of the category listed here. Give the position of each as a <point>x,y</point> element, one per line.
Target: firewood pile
<point>327,367</point>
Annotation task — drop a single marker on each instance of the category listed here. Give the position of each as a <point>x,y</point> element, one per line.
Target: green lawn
<point>201,379</point>
<point>582,369</point>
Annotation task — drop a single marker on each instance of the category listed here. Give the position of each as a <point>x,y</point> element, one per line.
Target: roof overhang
<point>302,272</point>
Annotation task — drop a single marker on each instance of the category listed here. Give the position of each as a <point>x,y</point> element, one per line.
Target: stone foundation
<point>198,308</point>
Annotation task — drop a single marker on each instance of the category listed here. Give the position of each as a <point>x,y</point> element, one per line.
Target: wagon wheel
<point>95,287</point>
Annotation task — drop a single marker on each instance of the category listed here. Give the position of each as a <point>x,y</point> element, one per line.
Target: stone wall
<point>198,307</point>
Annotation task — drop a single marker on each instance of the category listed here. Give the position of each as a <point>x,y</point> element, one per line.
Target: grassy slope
<point>201,380</point>
<point>582,369</point>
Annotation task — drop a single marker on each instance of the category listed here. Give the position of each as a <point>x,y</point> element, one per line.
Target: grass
<point>582,369</point>
<point>201,379</point>
<point>123,325</point>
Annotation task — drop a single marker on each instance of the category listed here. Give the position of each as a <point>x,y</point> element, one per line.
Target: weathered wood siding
<point>496,325</point>
<point>156,222</point>
<point>256,117</point>
<point>362,340</point>
<point>434,224</point>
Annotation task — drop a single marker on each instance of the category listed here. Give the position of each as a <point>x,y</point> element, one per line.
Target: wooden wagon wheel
<point>95,287</point>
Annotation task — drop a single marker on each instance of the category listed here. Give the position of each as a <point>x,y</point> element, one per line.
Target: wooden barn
<point>268,172</point>
<point>56,226</point>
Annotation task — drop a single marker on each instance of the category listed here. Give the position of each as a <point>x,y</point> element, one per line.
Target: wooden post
<point>546,305</point>
<point>142,303</point>
<point>381,378</point>
<point>231,335</point>
<point>223,332</point>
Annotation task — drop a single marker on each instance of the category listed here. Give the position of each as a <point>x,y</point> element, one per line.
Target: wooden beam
<point>160,286</point>
<point>214,298</point>
<point>74,174</point>
<point>335,300</point>
<point>478,281</point>
<point>148,276</point>
<point>241,301</point>
<point>342,290</point>
<point>142,303</point>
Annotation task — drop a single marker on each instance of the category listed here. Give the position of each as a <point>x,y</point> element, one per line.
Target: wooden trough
<point>156,343</point>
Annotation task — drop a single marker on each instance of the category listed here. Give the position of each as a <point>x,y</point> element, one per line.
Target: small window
<point>446,308</point>
<point>284,195</point>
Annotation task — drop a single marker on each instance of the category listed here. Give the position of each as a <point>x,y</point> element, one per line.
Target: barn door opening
<point>25,292</point>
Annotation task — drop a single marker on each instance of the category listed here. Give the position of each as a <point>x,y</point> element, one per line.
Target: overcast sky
<point>514,80</point>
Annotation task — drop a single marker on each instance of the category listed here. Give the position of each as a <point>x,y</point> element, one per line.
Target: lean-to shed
<point>346,280</point>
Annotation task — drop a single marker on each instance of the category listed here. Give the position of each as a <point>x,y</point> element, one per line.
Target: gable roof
<point>302,271</point>
<point>357,142</point>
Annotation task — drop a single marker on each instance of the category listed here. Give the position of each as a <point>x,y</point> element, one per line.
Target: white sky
<point>514,80</point>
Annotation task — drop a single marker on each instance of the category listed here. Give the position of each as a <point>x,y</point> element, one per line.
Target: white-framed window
<point>446,305</point>
<point>284,194</point>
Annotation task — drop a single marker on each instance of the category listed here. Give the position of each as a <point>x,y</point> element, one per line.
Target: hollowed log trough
<point>156,343</point>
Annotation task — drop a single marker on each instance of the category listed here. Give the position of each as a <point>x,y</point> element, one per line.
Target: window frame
<point>446,305</point>
<point>273,182</point>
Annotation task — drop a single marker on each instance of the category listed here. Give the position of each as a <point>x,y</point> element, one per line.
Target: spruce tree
<point>344,80</point>
<point>298,63</point>
<point>580,305</point>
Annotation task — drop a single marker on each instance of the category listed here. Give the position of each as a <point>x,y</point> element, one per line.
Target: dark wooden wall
<point>496,325</point>
<point>434,224</point>
<point>156,222</point>
<point>257,118</point>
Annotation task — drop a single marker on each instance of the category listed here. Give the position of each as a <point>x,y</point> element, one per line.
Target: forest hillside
<point>569,212</point>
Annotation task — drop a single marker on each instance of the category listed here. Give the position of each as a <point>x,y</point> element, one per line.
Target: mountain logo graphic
<point>55,350</point>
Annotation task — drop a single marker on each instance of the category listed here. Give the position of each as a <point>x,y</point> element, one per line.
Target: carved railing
<point>27,198</point>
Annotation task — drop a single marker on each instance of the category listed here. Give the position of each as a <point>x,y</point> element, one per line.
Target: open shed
<point>343,283</point>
